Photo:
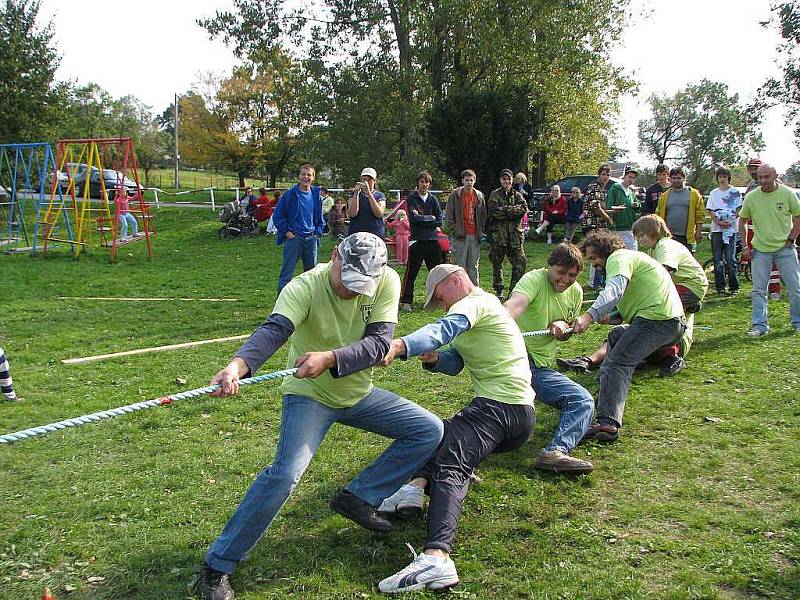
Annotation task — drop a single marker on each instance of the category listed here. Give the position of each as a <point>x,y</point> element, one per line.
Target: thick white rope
<point>542,332</point>
<point>122,410</point>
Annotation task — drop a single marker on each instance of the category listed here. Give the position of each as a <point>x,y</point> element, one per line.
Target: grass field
<point>700,498</point>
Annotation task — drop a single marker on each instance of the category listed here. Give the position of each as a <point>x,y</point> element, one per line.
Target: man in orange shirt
<point>465,218</point>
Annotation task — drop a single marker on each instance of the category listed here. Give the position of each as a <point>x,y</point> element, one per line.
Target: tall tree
<point>698,127</point>
<point>27,67</point>
<point>785,91</point>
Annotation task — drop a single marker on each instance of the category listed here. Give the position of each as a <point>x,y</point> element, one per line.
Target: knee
<point>431,432</point>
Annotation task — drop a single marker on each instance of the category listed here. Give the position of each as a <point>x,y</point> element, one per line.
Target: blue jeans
<point>304,423</point>
<point>761,265</point>
<point>295,249</point>
<point>628,239</point>
<point>124,219</point>
<point>575,403</point>
<point>725,261</point>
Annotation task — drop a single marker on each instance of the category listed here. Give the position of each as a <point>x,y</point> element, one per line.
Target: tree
<point>699,127</point>
<point>785,90</point>
<point>152,147</point>
<point>485,131</point>
<point>792,175</point>
<point>410,55</point>
<point>27,67</point>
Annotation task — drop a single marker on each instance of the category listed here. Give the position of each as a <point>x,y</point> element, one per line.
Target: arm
<point>435,335</point>
<point>279,216</point>
<point>449,212</point>
<point>448,362</point>
<point>352,204</point>
<point>264,342</point>
<point>377,206</point>
<point>516,304</point>
<point>366,352</point>
<point>795,229</point>
<point>608,297</point>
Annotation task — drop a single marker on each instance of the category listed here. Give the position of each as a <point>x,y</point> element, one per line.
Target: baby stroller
<point>237,223</point>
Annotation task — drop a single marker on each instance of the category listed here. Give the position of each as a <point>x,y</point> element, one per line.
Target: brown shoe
<point>556,461</point>
<point>601,432</point>
<point>581,364</point>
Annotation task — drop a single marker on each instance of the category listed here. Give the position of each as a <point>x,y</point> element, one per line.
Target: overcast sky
<point>667,45</point>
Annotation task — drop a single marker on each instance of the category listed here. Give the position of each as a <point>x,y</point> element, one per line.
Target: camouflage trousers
<point>510,246</point>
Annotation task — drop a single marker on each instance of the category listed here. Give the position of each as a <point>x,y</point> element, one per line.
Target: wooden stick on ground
<point>89,359</point>
<point>149,299</point>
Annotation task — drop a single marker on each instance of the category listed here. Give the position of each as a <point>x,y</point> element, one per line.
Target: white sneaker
<point>407,501</point>
<point>425,571</point>
<point>754,333</point>
<point>774,295</point>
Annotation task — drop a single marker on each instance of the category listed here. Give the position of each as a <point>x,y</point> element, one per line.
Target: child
<point>402,231</point>
<point>554,209</point>
<point>6,385</point>
<point>125,217</point>
<point>723,204</point>
<point>574,214</point>
<point>270,225</point>
<point>337,219</point>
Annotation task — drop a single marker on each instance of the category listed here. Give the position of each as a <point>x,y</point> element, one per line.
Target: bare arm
<point>516,305</point>
<point>352,204</point>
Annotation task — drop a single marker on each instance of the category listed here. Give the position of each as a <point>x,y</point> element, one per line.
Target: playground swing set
<point>91,182</point>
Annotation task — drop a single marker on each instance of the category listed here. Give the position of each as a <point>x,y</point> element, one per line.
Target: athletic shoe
<point>556,461</point>
<point>406,502</point>
<point>581,364</point>
<point>404,307</point>
<point>675,366</point>
<point>601,432</point>
<point>425,571</point>
<point>354,508</point>
<point>214,584</point>
<point>774,295</point>
<point>754,333</point>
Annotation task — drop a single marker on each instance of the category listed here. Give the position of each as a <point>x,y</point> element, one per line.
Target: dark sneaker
<point>675,366</point>
<point>581,364</point>
<point>214,584</point>
<point>354,508</point>
<point>601,432</point>
<point>556,461</point>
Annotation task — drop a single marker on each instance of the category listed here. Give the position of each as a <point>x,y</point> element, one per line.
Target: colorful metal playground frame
<point>26,172</point>
<point>94,215</point>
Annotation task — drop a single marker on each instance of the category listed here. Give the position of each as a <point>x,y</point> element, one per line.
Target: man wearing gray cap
<point>338,319</point>
<point>486,341</point>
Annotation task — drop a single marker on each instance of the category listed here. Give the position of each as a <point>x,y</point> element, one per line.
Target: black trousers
<point>424,250</point>
<point>473,433</point>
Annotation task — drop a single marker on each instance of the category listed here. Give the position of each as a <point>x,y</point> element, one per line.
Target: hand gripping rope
<point>116,412</point>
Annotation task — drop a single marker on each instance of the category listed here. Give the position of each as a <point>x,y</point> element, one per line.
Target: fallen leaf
<point>95,580</point>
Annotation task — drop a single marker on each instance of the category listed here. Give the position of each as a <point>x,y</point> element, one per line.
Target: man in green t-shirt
<point>775,211</point>
<point>550,299</point>
<point>500,418</point>
<point>642,292</point>
<point>338,319</point>
<point>622,204</point>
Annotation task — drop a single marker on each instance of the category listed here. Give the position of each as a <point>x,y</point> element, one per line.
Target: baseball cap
<point>436,275</point>
<point>754,162</point>
<point>369,172</point>
<point>631,169</point>
<point>508,172</point>
<point>363,258</point>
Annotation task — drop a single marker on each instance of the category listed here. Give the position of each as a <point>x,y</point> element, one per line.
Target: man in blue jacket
<point>298,219</point>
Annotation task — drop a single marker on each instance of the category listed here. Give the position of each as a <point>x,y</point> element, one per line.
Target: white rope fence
<point>123,410</point>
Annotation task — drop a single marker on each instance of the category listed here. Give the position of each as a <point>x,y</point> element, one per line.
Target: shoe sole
<point>382,529</point>
<point>567,367</point>
<point>568,471</point>
<point>435,585</point>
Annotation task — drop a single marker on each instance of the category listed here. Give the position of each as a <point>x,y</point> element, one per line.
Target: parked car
<point>111,178</point>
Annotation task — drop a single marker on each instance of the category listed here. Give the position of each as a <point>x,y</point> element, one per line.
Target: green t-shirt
<point>493,350</point>
<point>687,271</point>
<point>324,321</point>
<point>545,305</point>
<point>772,214</point>
<point>618,196</point>
<point>650,293</point>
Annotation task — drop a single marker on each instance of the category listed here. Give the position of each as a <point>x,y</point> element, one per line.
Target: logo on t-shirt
<point>366,311</point>
<point>779,206</point>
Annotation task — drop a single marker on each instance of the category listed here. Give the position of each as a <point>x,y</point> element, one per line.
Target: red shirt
<point>469,200</point>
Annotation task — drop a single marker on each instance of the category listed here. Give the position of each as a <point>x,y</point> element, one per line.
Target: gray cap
<point>436,275</point>
<point>369,172</point>
<point>363,258</point>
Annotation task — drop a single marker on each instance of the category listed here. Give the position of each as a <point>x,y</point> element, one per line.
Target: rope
<point>542,332</point>
<point>122,410</point>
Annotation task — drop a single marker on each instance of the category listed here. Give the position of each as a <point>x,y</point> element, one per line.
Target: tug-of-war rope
<point>122,410</point>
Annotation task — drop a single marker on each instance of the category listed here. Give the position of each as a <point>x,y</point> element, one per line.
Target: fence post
<point>155,193</point>
<point>213,206</point>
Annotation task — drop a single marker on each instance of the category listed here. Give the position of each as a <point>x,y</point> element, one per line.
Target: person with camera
<point>366,205</point>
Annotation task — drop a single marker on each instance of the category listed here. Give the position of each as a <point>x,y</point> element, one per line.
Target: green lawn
<point>700,498</point>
